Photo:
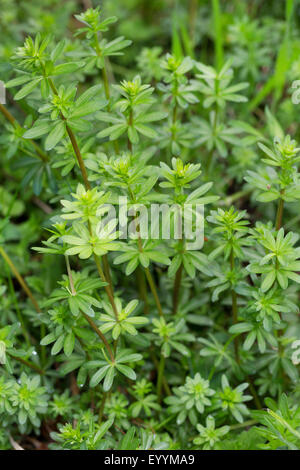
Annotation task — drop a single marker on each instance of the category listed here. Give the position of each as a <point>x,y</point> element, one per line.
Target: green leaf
<point>27,89</point>
<point>56,134</point>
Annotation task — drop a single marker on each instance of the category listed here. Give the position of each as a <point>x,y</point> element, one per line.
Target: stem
<point>161,370</point>
<point>100,334</point>
<point>108,288</point>
<point>211,153</point>
<point>234,310</point>
<point>154,291</point>
<point>164,382</point>
<point>192,20</point>
<point>105,82</point>
<point>101,409</point>
<point>79,157</point>
<point>142,288</point>
<point>176,291</point>
<point>130,122</point>
<point>20,317</point>
<point>20,279</point>
<point>279,214</point>
<point>88,319</point>
<point>254,393</point>
<point>147,272</point>
<point>73,142</point>
<point>27,363</point>
<point>9,117</point>
<point>217,19</point>
<point>250,422</point>
<point>75,146</point>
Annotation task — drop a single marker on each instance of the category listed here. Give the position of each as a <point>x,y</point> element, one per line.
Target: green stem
<point>217,21</point>
<point>100,334</point>
<point>73,142</point>
<point>20,316</point>
<point>154,291</point>
<point>76,149</point>
<point>88,319</point>
<point>176,289</point>
<point>107,287</point>
<point>279,215</point>
<point>234,310</point>
<point>20,279</point>
<point>27,363</point>
<point>142,288</point>
<point>161,370</point>
<point>9,117</point>
<point>101,409</point>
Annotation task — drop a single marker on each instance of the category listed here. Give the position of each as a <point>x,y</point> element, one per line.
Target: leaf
<point>39,128</point>
<point>109,378</point>
<point>98,376</point>
<point>69,344</point>
<point>127,371</point>
<point>27,89</point>
<point>69,67</point>
<point>56,134</point>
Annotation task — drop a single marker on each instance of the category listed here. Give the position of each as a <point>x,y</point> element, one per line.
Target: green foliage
<point>117,331</point>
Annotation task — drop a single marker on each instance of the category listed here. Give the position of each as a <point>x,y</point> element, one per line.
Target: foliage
<point>117,333</point>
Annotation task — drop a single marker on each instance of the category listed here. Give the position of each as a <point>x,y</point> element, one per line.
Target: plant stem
<point>100,334</point>
<point>73,142</point>
<point>234,309</point>
<point>154,291</point>
<point>101,409</point>
<point>142,288</point>
<point>217,20</point>
<point>20,316</point>
<point>76,149</point>
<point>40,153</point>
<point>176,289</point>
<point>107,288</point>
<point>130,122</point>
<point>161,370</point>
<point>88,319</point>
<point>105,82</point>
<point>279,214</point>
<point>164,382</point>
<point>20,279</point>
<point>27,363</point>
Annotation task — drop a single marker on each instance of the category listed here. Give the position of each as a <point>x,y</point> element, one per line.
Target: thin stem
<point>20,279</point>
<point>79,157</point>
<point>154,291</point>
<point>101,409</point>
<point>88,319</point>
<point>27,363</point>
<point>107,288</point>
<point>100,334</point>
<point>142,288</point>
<point>9,117</point>
<point>73,142</point>
<point>234,310</point>
<point>161,370</point>
<point>75,146</point>
<point>147,271</point>
<point>164,382</point>
<point>217,19</point>
<point>176,290</point>
<point>20,317</point>
<point>105,82</point>
<point>130,122</point>
<point>279,215</point>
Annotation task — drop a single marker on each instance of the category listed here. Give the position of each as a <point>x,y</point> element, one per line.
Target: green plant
<point>149,226</point>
